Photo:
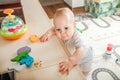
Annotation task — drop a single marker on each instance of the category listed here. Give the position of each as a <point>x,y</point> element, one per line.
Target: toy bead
<point>34,38</point>
<point>37,64</point>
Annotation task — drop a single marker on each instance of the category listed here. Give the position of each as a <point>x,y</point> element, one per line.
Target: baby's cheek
<point>58,35</point>
<point>69,35</point>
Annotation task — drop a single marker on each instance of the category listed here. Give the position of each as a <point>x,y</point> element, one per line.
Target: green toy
<point>78,29</point>
<point>20,56</point>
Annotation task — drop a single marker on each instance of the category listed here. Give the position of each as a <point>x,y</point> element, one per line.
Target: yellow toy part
<point>34,38</point>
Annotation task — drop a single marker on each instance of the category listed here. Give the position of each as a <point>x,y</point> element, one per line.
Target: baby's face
<point>64,28</point>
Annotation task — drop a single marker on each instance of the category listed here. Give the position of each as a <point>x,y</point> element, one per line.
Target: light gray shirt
<point>77,41</point>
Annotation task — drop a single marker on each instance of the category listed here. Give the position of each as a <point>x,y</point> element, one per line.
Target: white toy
<point>116,54</point>
<point>16,67</point>
<point>111,52</point>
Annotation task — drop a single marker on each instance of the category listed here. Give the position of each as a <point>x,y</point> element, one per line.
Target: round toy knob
<point>109,47</point>
<point>9,12</point>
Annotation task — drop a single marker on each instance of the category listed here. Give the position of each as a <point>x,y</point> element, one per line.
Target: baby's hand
<point>44,38</point>
<point>47,35</point>
<point>65,66</point>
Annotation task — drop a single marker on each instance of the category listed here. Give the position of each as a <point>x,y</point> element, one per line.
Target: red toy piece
<point>109,47</point>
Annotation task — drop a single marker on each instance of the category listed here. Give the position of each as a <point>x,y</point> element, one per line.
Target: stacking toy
<point>12,27</point>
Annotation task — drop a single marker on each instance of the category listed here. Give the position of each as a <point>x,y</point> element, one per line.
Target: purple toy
<point>24,49</point>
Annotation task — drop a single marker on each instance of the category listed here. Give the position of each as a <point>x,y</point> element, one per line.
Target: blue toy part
<point>116,60</point>
<point>28,60</point>
<point>109,53</point>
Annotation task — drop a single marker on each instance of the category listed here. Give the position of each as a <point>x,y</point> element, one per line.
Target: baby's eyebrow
<point>57,28</point>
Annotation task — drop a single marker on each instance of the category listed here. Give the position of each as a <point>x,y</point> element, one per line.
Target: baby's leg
<point>86,67</point>
<point>85,73</point>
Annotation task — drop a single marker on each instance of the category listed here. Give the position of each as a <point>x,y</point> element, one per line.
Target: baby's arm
<point>68,64</point>
<point>47,35</point>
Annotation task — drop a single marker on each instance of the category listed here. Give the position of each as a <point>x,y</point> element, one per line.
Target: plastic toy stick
<point>20,56</point>
<point>34,38</point>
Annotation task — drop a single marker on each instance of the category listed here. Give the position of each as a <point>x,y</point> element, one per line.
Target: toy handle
<point>9,11</point>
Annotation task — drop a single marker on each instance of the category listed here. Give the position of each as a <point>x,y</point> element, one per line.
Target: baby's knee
<point>85,73</point>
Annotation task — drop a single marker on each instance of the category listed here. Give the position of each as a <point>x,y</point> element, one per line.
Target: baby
<point>65,29</point>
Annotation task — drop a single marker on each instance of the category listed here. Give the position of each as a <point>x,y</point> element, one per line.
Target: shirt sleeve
<point>77,41</point>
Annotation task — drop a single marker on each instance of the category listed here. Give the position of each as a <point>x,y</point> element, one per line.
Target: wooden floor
<point>50,10</point>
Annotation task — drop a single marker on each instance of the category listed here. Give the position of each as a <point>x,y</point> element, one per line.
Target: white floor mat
<point>108,64</point>
<point>98,36</point>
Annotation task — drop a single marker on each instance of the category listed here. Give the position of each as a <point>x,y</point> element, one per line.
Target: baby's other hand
<point>43,38</point>
<point>65,66</point>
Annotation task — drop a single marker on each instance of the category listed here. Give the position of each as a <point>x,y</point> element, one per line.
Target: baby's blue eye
<point>58,30</point>
<point>66,28</point>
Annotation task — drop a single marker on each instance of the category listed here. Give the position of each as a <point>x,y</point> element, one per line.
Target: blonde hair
<point>64,11</point>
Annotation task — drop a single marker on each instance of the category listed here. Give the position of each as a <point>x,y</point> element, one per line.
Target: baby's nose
<point>62,32</point>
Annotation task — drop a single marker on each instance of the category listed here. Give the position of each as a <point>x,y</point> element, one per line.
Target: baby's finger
<point>68,71</point>
<point>61,68</point>
<point>43,39</point>
<point>61,64</point>
<point>65,70</point>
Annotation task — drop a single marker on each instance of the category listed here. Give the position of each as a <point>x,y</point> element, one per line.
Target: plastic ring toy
<point>14,36</point>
